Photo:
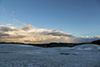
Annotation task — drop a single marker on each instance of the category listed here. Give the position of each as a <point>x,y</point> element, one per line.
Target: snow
<point>17,55</point>
<point>18,45</point>
<point>25,46</point>
<point>87,47</point>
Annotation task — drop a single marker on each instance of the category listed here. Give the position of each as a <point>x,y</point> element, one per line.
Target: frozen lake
<point>17,55</point>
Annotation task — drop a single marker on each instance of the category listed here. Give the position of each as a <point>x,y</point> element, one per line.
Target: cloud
<point>31,34</point>
<point>6,28</point>
<point>58,33</point>
<point>9,14</point>
<point>14,20</point>
<point>27,27</point>
<point>3,34</point>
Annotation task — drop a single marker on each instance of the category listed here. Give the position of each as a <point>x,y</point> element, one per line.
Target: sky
<point>77,17</point>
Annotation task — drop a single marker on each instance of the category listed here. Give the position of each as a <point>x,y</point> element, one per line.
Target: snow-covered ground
<point>17,55</point>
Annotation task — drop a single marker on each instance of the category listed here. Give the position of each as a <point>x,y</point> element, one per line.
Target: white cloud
<point>31,34</point>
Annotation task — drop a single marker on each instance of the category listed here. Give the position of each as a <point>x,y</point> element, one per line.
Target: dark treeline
<point>54,44</point>
<point>96,42</point>
<point>48,44</point>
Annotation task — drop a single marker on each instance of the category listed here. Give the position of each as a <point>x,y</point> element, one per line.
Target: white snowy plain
<point>17,55</point>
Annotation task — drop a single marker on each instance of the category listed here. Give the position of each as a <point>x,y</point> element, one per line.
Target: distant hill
<point>96,42</point>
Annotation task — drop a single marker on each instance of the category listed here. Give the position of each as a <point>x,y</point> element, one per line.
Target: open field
<point>17,55</point>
